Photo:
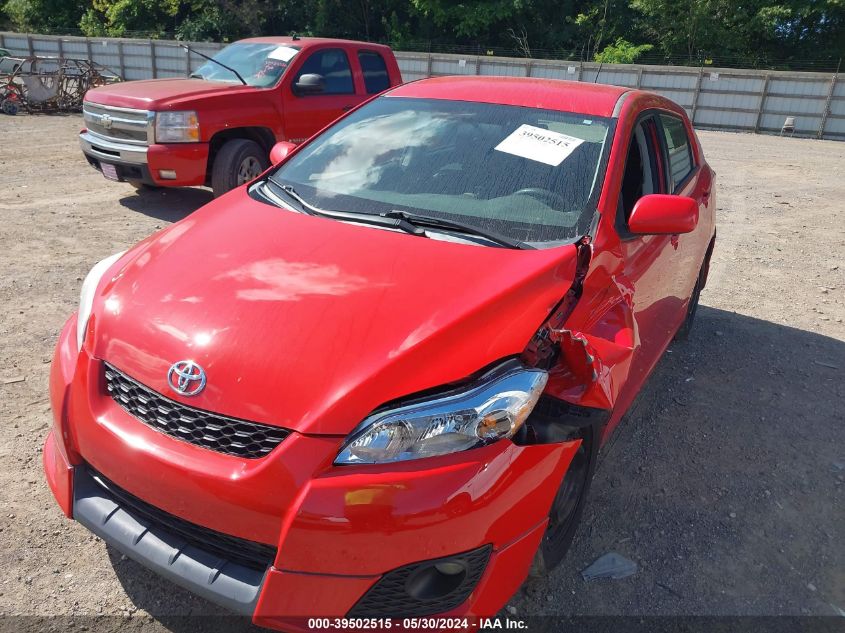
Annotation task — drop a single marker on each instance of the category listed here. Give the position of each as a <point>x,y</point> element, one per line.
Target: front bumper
<point>336,531</point>
<point>145,163</point>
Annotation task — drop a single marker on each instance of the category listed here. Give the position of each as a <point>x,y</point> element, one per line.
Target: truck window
<point>374,69</point>
<point>333,65</point>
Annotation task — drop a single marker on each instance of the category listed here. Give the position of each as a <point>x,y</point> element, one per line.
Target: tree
<point>44,16</point>
<point>622,52</point>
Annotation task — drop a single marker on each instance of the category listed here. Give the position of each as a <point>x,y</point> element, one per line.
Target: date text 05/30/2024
<point>438,624</point>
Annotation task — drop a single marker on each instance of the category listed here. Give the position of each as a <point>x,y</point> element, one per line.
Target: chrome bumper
<point>101,149</point>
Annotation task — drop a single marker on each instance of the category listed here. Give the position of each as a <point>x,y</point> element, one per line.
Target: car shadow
<point>167,203</point>
<point>728,464</point>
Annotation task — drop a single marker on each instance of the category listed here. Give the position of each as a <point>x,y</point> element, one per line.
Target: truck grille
<point>202,428</point>
<point>123,125</point>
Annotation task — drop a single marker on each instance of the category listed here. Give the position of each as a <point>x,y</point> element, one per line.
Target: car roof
<point>306,42</point>
<point>549,94</point>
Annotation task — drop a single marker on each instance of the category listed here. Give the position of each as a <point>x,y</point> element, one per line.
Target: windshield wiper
<point>211,59</point>
<point>460,227</point>
<point>349,216</point>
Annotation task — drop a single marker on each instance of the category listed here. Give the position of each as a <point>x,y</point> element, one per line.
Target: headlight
<point>86,295</point>
<point>491,409</point>
<point>177,127</point>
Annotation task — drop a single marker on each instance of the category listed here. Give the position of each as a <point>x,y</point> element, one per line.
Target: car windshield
<point>525,173</point>
<point>260,65</point>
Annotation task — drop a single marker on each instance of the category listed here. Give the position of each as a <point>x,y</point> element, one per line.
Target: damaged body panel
<point>379,383</point>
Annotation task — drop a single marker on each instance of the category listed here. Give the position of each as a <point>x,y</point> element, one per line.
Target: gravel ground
<point>724,485</point>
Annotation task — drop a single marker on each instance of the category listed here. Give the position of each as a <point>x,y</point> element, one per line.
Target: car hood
<point>157,94</point>
<point>310,323</point>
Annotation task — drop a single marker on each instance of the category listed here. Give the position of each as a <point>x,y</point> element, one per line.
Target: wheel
<point>9,107</point>
<point>683,332</point>
<point>237,162</point>
<point>568,505</point>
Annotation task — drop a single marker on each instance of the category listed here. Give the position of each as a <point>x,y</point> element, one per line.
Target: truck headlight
<point>488,410</point>
<point>177,127</point>
<point>86,295</point>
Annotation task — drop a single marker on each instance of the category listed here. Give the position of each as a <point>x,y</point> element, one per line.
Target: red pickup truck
<point>217,127</point>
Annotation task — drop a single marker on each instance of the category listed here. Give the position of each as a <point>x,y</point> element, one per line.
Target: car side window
<point>643,169</point>
<point>374,69</point>
<point>678,148</point>
<point>333,65</point>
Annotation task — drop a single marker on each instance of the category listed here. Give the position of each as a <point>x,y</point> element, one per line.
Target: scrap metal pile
<point>49,84</point>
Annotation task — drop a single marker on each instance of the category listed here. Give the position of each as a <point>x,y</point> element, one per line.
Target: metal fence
<point>714,98</point>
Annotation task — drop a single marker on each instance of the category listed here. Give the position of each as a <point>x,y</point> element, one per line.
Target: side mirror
<point>661,214</point>
<point>280,152</point>
<point>310,84</point>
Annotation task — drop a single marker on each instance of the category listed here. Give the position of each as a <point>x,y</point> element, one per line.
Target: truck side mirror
<point>661,214</point>
<point>280,152</point>
<point>310,84</point>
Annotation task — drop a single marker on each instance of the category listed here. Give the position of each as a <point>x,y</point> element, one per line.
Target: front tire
<point>237,162</point>
<point>568,506</point>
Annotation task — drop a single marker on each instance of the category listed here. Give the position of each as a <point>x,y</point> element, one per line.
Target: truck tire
<point>238,161</point>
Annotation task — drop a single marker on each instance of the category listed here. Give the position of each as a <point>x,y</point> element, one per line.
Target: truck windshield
<point>526,173</point>
<point>260,65</point>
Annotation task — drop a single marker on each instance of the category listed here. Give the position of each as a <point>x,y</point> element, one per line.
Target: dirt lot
<point>725,485</point>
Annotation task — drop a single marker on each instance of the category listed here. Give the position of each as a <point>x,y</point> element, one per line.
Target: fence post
<point>580,70</point>
<point>61,47</point>
<point>429,64</point>
<point>2,41</point>
<point>639,77</point>
<point>478,64</point>
<point>187,63</point>
<point>153,59</point>
<point>696,93</point>
<point>528,65</point>
<point>121,63</point>
<point>826,110</point>
<point>29,45</point>
<point>762,103</point>
<point>88,49</point>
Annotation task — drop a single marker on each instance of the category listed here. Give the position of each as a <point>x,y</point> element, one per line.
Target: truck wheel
<point>237,162</point>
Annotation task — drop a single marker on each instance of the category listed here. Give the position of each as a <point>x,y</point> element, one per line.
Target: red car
<point>373,381</point>
<point>217,127</point>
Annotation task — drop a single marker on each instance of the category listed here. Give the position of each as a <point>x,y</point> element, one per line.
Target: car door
<point>309,112</point>
<point>654,265</point>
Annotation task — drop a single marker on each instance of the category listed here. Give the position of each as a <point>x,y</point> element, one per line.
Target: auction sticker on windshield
<point>283,53</point>
<point>536,143</point>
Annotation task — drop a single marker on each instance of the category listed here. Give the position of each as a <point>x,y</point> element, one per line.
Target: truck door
<point>309,110</point>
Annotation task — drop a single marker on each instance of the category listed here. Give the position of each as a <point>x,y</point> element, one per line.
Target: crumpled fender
<point>588,351</point>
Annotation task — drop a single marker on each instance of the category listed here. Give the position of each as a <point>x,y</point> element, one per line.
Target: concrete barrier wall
<point>714,98</point>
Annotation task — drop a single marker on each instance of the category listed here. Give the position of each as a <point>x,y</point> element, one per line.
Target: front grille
<point>202,428</point>
<point>391,597</point>
<point>247,553</point>
<point>126,125</point>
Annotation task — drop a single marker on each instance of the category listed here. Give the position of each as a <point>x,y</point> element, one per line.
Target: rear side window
<point>375,72</point>
<point>333,65</point>
<point>678,146</point>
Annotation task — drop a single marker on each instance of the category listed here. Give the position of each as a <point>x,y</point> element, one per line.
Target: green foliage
<point>43,16</point>
<point>622,52</point>
<point>605,30</point>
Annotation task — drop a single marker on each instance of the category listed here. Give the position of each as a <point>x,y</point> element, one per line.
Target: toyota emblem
<point>186,378</point>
